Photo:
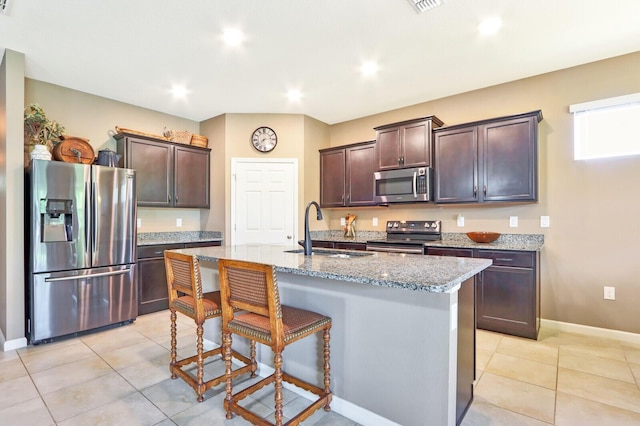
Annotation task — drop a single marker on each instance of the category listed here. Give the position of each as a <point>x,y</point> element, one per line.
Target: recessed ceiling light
<point>490,26</point>
<point>179,91</point>
<point>369,68</point>
<point>233,37</point>
<point>294,95</point>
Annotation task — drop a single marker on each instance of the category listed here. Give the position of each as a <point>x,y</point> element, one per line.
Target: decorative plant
<point>38,129</point>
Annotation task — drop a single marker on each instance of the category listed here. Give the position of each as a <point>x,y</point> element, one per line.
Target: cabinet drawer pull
<point>504,259</point>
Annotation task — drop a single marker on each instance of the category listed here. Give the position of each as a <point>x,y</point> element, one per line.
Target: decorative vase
<point>40,152</point>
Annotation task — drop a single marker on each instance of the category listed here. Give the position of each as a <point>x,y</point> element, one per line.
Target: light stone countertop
<point>433,274</point>
<point>514,242</point>
<point>153,238</point>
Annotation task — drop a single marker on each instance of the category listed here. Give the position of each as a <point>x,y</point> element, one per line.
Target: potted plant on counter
<point>40,132</point>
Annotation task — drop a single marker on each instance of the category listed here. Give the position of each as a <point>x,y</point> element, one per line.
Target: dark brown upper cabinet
<point>346,175</point>
<point>405,144</point>
<point>493,160</point>
<point>167,174</point>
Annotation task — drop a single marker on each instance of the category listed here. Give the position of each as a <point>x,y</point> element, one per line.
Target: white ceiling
<point>134,51</point>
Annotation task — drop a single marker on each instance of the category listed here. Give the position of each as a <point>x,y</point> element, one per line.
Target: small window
<point>606,128</point>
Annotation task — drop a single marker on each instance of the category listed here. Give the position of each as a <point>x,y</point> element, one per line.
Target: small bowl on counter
<point>483,237</point>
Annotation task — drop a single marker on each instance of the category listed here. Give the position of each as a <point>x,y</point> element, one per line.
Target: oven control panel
<point>414,227</point>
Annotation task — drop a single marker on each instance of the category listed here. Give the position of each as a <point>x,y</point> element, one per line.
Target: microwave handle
<point>415,184</point>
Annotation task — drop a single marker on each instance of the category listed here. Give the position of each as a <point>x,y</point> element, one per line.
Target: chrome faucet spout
<point>306,243</point>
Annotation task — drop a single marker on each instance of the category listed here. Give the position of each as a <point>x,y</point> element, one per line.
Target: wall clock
<point>264,139</point>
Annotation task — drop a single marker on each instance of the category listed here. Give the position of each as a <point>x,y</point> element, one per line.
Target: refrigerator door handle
<point>94,220</point>
<point>87,218</point>
<point>82,277</point>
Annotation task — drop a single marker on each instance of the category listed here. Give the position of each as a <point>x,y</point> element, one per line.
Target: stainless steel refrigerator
<point>82,248</point>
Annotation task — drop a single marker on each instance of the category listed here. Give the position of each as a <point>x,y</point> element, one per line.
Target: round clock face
<point>264,139</point>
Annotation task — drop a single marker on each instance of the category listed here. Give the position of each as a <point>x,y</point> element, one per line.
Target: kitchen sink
<point>333,253</point>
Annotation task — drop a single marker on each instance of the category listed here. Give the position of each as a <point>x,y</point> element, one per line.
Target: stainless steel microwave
<point>403,185</point>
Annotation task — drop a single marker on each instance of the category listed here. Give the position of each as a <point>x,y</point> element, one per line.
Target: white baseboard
<point>9,345</point>
<point>606,333</point>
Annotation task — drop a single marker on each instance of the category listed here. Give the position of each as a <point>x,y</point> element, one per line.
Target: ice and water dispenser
<point>56,219</point>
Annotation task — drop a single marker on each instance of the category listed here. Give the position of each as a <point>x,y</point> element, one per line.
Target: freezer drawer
<point>65,303</point>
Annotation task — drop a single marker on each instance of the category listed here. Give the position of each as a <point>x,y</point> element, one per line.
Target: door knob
<point>289,237</point>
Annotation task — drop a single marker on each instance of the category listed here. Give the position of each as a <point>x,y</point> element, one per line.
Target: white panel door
<point>264,201</point>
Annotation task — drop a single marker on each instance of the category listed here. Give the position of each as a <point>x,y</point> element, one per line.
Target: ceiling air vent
<point>424,5</point>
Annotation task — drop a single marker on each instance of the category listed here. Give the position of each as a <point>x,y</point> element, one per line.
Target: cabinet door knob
<point>475,191</point>
<point>485,190</point>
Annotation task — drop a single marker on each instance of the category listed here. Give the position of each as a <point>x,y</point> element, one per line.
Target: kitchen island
<point>403,335</point>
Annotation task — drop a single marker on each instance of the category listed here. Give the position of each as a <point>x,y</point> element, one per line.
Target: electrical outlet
<point>343,221</point>
<point>139,222</point>
<point>460,221</point>
<point>179,222</point>
<point>544,221</point>
<point>513,221</point>
<point>375,221</point>
<point>610,293</point>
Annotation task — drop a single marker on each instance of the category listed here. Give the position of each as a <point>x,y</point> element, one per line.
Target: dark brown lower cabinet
<point>507,292</point>
<point>153,295</point>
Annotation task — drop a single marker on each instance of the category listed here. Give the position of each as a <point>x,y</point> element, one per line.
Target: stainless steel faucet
<point>306,243</point>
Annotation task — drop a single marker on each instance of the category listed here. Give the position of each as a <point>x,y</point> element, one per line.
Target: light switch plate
<point>139,222</point>
<point>544,221</point>
<point>513,221</point>
<point>375,221</point>
<point>178,222</point>
<point>343,221</point>
<point>460,221</point>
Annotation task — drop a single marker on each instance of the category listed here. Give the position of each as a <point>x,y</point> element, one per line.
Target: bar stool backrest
<point>183,278</point>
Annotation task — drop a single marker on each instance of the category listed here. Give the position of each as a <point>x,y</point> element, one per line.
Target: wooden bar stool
<point>251,308</point>
<point>185,296</point>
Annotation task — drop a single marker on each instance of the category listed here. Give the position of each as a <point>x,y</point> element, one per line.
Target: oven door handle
<point>415,184</point>
<point>388,249</point>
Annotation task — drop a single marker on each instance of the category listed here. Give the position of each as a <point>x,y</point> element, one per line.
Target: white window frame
<point>607,127</point>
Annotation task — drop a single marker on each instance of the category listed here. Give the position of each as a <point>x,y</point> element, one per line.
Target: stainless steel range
<point>407,236</point>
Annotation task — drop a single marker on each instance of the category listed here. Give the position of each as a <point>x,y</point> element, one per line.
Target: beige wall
<point>593,205</point>
<point>215,218</point>
<point>95,118</point>
<point>12,301</point>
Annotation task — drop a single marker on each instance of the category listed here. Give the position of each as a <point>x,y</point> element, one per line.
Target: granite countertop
<point>433,274</point>
<point>515,242</point>
<point>153,238</point>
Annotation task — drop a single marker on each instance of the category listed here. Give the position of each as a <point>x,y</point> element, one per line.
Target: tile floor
<point>120,376</point>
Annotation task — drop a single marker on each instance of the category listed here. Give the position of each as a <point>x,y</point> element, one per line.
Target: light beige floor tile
<point>524,398</point>
<point>635,369</point>
<point>44,347</point>
<point>632,354</point>
<point>132,410</point>
<point>208,412</point>
<point>147,373</point>
<point>12,369</point>
<point>482,358</point>
<point>528,349</point>
<point>112,339</point>
<point>77,399</point>
<point>134,354</point>
<point>487,340</point>
<point>484,414</point>
<point>556,338</point>
<point>161,326</point>
<point>601,389</point>
<point>171,396</point>
<point>41,360</point>
<point>16,390</point>
<point>535,373</point>
<point>575,411</point>
<point>31,412</point>
<point>609,352</point>
<point>60,377</point>
<point>583,361</point>
<point>8,356</point>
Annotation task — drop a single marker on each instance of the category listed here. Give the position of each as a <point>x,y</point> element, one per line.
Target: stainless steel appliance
<point>403,186</point>
<point>82,248</point>
<point>407,236</point>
